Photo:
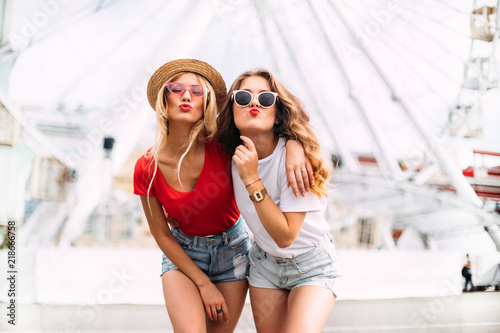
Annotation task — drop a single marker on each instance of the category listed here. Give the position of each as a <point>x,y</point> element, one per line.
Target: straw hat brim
<point>171,68</point>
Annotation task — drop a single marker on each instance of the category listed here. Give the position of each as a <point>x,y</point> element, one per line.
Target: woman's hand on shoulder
<point>299,172</point>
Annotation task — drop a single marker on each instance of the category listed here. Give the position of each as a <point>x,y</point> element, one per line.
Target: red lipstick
<point>185,107</point>
<point>254,112</point>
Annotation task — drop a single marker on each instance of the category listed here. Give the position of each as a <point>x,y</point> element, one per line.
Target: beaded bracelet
<point>253,182</point>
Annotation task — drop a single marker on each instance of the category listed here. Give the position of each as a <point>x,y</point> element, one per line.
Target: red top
<point>209,209</point>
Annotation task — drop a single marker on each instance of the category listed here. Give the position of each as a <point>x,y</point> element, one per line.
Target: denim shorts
<point>222,257</point>
<point>318,267</point>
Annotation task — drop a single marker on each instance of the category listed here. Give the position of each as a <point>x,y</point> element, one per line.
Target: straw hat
<point>173,67</point>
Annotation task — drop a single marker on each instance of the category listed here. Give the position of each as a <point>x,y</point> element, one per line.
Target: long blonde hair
<point>202,131</point>
<point>293,121</point>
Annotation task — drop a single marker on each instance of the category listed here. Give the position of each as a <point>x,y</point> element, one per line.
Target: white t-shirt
<point>273,174</point>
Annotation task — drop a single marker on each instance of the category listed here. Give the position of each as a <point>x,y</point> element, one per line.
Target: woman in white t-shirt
<point>293,258</point>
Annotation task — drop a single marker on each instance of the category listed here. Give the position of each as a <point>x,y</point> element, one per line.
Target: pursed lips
<point>254,111</point>
<point>185,107</point>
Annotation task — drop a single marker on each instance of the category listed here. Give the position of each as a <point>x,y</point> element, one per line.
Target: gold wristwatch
<point>258,195</point>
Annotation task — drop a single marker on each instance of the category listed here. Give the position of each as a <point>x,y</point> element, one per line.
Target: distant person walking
<point>466,273</point>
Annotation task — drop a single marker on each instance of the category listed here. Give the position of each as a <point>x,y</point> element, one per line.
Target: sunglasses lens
<point>197,91</point>
<point>242,98</point>
<point>176,88</point>
<point>266,99</point>
<point>180,88</point>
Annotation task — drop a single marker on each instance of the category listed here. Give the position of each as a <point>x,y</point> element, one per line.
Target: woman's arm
<point>211,296</point>
<point>282,227</point>
<point>299,172</point>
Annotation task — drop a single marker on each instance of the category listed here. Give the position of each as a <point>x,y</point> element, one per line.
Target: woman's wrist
<point>202,281</point>
<point>255,181</point>
<point>258,185</point>
<point>249,178</point>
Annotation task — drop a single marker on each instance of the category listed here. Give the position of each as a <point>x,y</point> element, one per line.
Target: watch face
<point>258,195</point>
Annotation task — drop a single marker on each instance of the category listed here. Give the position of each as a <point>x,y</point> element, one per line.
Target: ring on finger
<point>304,170</point>
<point>218,310</point>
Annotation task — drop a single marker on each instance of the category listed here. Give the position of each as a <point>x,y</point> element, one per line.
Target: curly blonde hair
<point>203,130</point>
<point>293,122</point>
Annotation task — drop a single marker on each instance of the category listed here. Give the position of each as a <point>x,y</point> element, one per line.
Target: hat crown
<point>171,68</point>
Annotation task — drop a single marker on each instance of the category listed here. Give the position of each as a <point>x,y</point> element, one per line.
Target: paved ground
<point>471,312</point>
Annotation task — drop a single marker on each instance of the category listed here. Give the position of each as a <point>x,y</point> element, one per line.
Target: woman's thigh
<point>308,309</point>
<point>269,307</point>
<point>184,305</point>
